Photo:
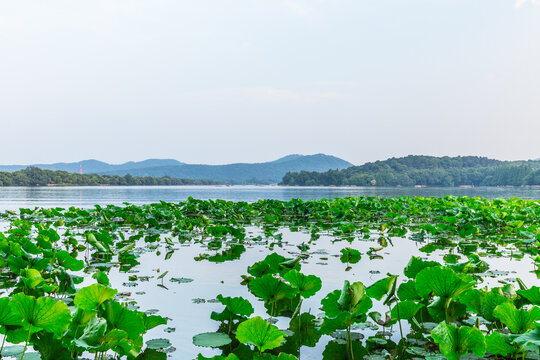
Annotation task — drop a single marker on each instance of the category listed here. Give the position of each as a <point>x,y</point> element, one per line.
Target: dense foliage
<point>56,296</point>
<point>34,176</point>
<point>425,170</point>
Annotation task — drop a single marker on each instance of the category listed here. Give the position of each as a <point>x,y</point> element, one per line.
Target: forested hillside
<point>33,176</point>
<point>425,170</point>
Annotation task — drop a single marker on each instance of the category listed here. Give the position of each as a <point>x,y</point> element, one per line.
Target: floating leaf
<point>211,339</point>
<point>158,344</point>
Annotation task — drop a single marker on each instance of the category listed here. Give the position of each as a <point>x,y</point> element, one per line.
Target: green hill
<point>425,170</point>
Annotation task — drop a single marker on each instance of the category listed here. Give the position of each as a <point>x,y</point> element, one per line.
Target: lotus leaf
<point>211,339</point>
<point>259,333</point>
<point>517,320</point>
<point>455,342</point>
<point>91,297</point>
<point>307,285</point>
<point>442,282</point>
<point>42,313</point>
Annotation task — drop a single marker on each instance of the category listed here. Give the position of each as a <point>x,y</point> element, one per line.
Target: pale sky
<point>247,81</point>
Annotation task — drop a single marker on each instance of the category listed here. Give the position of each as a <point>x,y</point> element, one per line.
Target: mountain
<point>267,172</point>
<point>425,170</point>
<point>95,166</point>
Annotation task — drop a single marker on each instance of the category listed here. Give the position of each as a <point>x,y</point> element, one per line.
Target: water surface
<point>12,198</point>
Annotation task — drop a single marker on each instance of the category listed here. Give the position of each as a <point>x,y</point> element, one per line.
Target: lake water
<point>189,305</point>
<point>13,198</point>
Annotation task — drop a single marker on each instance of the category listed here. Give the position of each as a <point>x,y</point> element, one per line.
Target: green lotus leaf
<point>92,335</point>
<point>532,295</point>
<point>407,291</point>
<point>42,313</point>
<point>271,289</point>
<point>497,345</point>
<point>49,348</point>
<point>259,333</point>
<point>151,354</point>
<point>455,342</point>
<point>32,278</point>
<point>120,317</point>
<point>218,357</point>
<point>350,256</point>
<point>416,265</point>
<point>307,285</point>
<point>442,308</point>
<point>281,356</point>
<point>305,333</point>
<point>270,265</point>
<point>91,297</point>
<point>151,321</point>
<point>235,308</point>
<point>517,320</point>
<point>8,315</point>
<point>338,351</point>
<point>490,302</point>
<point>353,298</point>
<point>442,282</point>
<point>101,278</point>
<point>405,310</point>
<point>482,302</point>
<point>68,262</point>
<point>211,339</point>
<point>158,344</point>
<point>100,246</point>
<point>117,339</point>
<point>339,322</point>
<point>530,341</point>
<point>381,287</point>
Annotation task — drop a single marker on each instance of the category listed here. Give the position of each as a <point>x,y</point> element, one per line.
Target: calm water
<point>12,198</point>
<point>187,305</point>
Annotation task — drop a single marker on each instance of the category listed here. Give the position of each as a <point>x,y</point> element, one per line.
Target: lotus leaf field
<point>340,279</point>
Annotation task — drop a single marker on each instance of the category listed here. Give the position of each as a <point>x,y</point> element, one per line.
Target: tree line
<point>425,170</point>
<point>33,176</point>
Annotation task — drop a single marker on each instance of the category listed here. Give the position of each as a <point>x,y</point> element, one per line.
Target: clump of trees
<point>425,170</point>
<point>33,176</point>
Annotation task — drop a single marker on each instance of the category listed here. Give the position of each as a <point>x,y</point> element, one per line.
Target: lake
<point>188,305</point>
<point>13,198</point>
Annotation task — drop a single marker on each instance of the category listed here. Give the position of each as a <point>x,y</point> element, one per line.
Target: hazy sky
<point>245,81</point>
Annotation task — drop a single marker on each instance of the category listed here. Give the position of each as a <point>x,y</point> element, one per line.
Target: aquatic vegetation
<point>70,279</point>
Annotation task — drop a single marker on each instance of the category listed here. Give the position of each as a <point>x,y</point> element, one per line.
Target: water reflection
<point>12,198</point>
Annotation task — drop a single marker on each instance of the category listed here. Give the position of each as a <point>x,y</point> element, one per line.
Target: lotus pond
<point>352,278</point>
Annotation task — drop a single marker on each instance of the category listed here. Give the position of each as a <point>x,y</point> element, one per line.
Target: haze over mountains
<point>266,172</point>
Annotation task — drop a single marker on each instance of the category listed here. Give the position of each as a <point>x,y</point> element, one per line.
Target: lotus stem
<point>399,320</point>
<point>349,343</point>
<point>27,340</point>
<point>2,348</point>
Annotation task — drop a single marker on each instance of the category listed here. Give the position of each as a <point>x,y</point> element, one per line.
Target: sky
<point>250,81</point>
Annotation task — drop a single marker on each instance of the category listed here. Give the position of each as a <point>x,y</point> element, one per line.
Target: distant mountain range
<point>266,172</point>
